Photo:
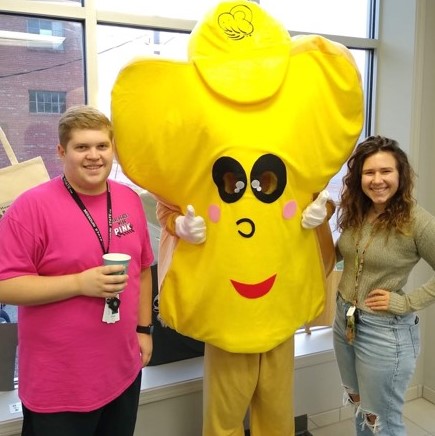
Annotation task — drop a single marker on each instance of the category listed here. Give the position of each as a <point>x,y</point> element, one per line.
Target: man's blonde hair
<point>82,117</point>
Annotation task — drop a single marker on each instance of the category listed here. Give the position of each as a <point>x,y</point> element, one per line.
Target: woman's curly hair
<point>354,204</point>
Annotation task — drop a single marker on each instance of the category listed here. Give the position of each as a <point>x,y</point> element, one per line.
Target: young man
<point>84,328</point>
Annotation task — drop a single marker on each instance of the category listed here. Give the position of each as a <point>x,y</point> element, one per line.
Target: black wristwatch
<point>147,329</point>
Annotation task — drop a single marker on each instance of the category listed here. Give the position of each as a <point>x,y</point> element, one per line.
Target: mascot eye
<point>230,179</point>
<point>267,184</point>
<point>268,178</point>
<point>231,184</point>
<point>239,186</point>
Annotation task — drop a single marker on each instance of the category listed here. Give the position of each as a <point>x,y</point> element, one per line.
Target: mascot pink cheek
<point>289,209</point>
<point>214,213</point>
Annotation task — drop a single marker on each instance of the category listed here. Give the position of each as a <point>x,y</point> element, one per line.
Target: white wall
<point>425,134</point>
<point>405,110</point>
<point>396,60</point>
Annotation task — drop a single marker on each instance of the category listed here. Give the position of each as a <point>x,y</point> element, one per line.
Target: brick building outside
<point>38,81</point>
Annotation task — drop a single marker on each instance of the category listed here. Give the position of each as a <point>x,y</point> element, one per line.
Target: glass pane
<point>41,73</point>
<point>334,187</point>
<point>186,9</point>
<point>335,17</point>
<point>69,2</point>
<point>116,47</point>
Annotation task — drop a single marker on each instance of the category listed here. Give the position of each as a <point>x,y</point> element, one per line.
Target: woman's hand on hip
<point>378,299</point>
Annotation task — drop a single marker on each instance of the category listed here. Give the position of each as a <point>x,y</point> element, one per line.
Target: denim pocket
<point>414,331</point>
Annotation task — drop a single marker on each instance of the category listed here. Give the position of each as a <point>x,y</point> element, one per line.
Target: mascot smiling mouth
<point>255,290</point>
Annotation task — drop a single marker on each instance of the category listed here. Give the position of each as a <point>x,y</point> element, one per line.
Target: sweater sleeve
<point>424,295</point>
<point>166,215</point>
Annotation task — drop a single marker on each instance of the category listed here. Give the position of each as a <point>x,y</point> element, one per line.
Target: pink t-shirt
<point>69,359</point>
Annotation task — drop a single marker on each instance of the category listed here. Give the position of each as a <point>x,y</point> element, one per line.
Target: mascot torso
<point>246,130</point>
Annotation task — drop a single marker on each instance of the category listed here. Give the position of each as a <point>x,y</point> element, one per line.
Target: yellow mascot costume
<point>240,136</point>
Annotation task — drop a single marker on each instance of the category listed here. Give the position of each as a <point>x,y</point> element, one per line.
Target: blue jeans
<point>378,367</point>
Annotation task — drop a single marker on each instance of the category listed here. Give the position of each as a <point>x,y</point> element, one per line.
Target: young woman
<point>384,233</point>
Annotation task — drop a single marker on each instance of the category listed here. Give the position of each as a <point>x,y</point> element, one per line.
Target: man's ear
<point>61,151</point>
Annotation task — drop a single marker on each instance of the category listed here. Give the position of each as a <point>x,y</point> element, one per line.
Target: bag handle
<point>8,148</point>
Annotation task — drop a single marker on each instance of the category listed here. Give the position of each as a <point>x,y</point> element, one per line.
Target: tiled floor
<point>419,420</point>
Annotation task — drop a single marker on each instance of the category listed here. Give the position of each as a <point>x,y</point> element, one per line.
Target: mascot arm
<point>329,259</point>
<point>323,231</point>
<point>189,227</point>
<point>166,216</point>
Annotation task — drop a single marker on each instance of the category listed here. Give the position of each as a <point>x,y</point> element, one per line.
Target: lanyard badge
<point>351,324</point>
<point>111,305</point>
<point>111,310</point>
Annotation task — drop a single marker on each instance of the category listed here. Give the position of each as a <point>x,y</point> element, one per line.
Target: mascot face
<point>246,130</point>
<point>265,181</point>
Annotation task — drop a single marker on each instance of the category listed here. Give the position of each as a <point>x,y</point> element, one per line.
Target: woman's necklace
<point>359,265</point>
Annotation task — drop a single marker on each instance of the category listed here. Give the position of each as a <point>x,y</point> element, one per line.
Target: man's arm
<point>32,290</point>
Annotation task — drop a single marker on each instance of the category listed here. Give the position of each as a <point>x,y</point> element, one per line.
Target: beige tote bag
<point>19,176</point>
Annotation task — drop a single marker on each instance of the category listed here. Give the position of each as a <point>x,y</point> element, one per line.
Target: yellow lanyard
<point>359,259</point>
<point>351,319</point>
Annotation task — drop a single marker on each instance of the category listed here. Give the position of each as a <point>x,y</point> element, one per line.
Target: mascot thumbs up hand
<point>315,213</point>
<point>189,227</point>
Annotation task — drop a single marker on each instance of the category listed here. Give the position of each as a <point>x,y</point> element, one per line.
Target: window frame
<point>90,17</point>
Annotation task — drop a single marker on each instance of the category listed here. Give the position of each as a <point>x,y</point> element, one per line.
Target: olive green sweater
<point>388,263</point>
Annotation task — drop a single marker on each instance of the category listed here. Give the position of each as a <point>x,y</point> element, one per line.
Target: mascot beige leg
<point>272,404</point>
<point>262,382</point>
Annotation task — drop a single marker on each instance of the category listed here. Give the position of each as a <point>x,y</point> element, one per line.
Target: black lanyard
<point>88,216</point>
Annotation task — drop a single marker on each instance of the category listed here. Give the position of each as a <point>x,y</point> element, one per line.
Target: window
<point>37,83</point>
<point>334,17</point>
<point>117,45</point>
<point>50,76</point>
<point>47,102</point>
<point>68,2</point>
<point>47,28</point>
<point>186,9</point>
